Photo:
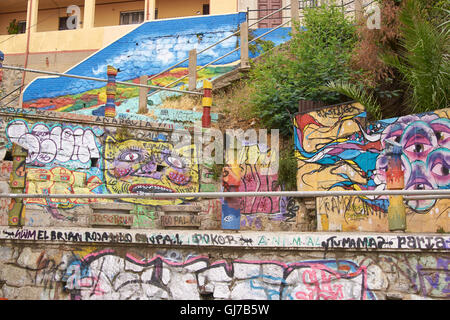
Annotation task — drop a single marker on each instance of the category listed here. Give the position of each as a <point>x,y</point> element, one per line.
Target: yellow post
<point>192,70</point>
<point>150,6</point>
<point>89,14</point>
<point>395,181</point>
<point>32,13</point>
<point>295,16</point>
<point>207,103</point>
<point>244,45</point>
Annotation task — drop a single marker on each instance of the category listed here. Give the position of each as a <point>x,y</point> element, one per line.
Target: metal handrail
<point>418,194</point>
<point>97,79</point>
<point>225,55</point>
<point>236,49</point>
<point>211,46</point>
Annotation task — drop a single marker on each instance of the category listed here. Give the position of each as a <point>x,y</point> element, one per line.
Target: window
<point>63,23</point>
<point>22,26</point>
<point>132,17</point>
<point>205,9</point>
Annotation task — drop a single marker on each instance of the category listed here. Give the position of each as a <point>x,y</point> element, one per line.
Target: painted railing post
<point>192,70</point>
<point>231,207</point>
<point>395,181</point>
<point>359,12</point>
<point>143,95</point>
<point>295,15</point>
<point>110,107</point>
<point>244,45</point>
<point>206,103</point>
<point>16,214</point>
<point>2,57</point>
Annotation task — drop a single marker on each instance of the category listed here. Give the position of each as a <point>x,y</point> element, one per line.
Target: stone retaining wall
<point>138,264</point>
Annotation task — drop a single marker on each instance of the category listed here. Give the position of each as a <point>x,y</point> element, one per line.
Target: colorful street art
<point>60,159</point>
<point>138,166</point>
<point>6,168</point>
<point>253,174</point>
<point>146,50</point>
<point>337,150</point>
<point>106,275</point>
<point>68,145</point>
<point>73,159</point>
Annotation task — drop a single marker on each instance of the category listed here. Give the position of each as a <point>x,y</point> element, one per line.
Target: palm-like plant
<point>423,61</point>
<point>359,94</point>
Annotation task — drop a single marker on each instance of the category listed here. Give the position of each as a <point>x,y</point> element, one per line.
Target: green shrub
<point>315,56</point>
<point>423,62</point>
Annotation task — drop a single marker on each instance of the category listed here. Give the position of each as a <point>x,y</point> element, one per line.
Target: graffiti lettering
<point>56,143</point>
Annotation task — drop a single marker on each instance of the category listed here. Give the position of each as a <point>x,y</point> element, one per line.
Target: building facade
<point>55,35</point>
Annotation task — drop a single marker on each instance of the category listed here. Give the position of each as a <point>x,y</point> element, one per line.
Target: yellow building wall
<point>109,15</point>
<point>49,39</point>
<point>179,8</point>
<point>6,18</point>
<point>223,6</point>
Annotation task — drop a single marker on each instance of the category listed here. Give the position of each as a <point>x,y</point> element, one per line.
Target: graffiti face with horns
<point>136,167</point>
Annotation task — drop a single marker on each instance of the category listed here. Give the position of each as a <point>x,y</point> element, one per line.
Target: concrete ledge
<point>180,208</point>
<point>83,119</point>
<point>324,241</point>
<point>112,206</point>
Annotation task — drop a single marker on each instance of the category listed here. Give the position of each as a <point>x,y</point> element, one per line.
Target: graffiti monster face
<point>425,142</point>
<point>135,166</point>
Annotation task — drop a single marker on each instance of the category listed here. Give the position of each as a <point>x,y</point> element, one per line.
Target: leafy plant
<point>423,61</point>
<point>314,57</point>
<point>287,168</point>
<point>216,171</point>
<point>13,27</point>
<point>359,94</point>
<point>259,45</point>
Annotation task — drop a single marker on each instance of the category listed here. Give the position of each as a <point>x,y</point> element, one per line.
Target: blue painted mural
<point>147,50</point>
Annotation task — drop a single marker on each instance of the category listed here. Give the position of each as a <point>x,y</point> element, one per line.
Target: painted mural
<point>6,168</point>
<point>72,159</point>
<point>106,275</point>
<point>137,166</point>
<point>147,50</point>
<point>338,150</point>
<point>250,175</point>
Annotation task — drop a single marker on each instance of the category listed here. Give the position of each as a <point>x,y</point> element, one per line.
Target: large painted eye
<point>418,147</point>
<point>130,156</point>
<point>175,162</point>
<point>440,170</point>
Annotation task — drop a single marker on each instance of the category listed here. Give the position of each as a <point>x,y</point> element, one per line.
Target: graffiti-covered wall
<point>89,270</point>
<point>254,171</point>
<point>75,157</point>
<point>338,150</point>
<point>66,153</point>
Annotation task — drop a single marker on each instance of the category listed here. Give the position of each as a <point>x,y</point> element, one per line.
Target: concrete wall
<point>71,154</point>
<point>338,150</point>
<point>108,14</point>
<point>99,264</point>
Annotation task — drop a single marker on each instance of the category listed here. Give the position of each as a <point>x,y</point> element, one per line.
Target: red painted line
<point>52,52</point>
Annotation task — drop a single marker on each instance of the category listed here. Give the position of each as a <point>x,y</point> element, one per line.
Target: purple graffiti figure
<point>425,141</point>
